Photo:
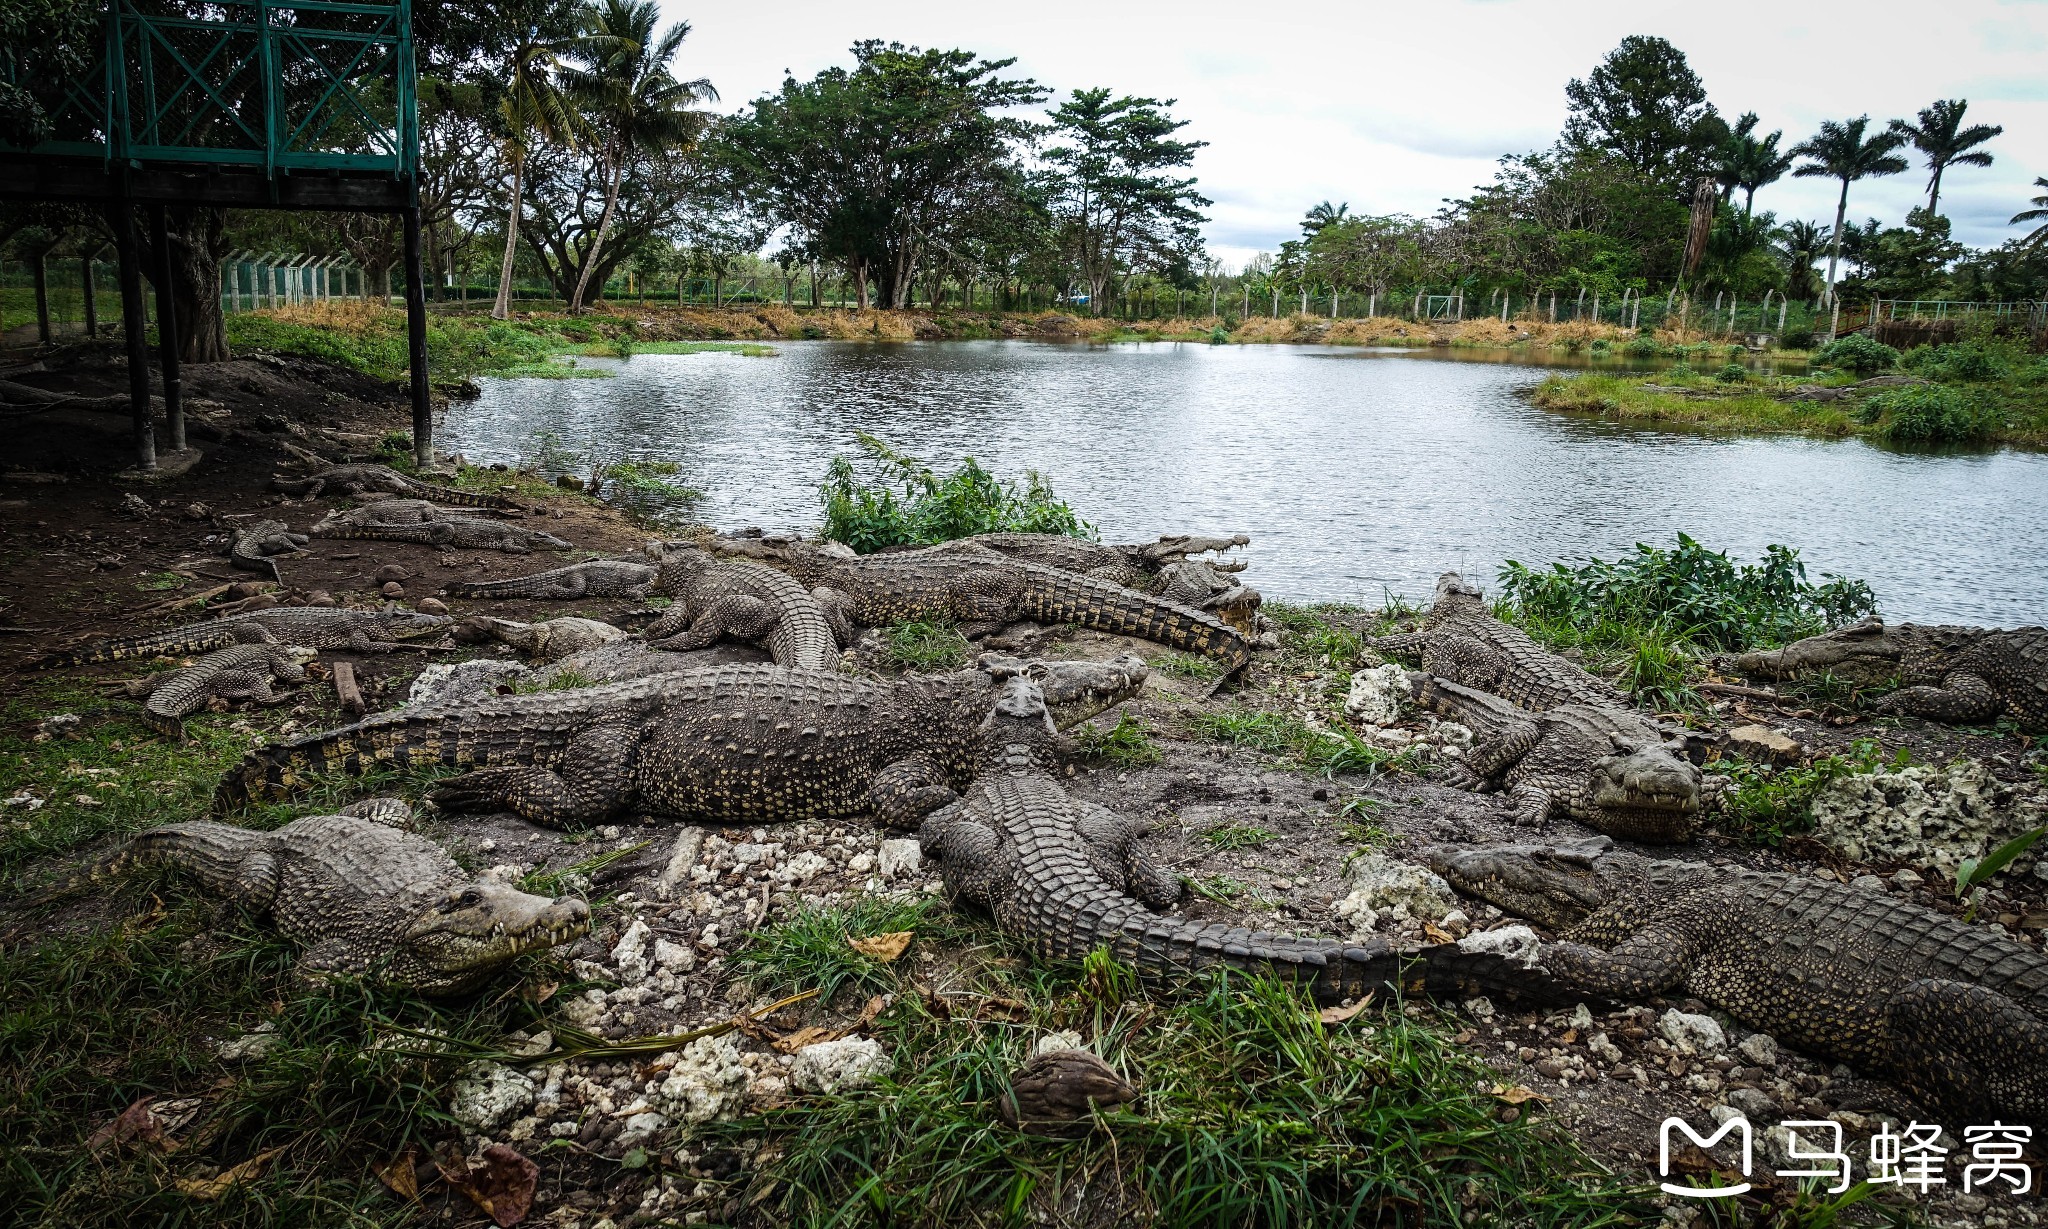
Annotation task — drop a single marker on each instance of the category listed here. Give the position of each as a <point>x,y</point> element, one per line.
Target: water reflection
<point>1355,471</point>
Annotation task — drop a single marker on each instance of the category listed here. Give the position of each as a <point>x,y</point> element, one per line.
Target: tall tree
<point>631,99</point>
<point>1646,104</point>
<point>874,166</point>
<point>1944,142</point>
<point>1120,204</point>
<point>1841,151</point>
<point>2039,213</point>
<point>1801,243</point>
<point>1750,162</point>
<point>543,34</point>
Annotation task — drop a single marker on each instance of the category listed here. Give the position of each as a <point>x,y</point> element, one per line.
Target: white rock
<point>1480,1008</point>
<point>640,1128</point>
<point>1761,1049</point>
<point>1929,817</point>
<point>1582,1017</point>
<point>1601,1046</point>
<point>1063,1040</point>
<point>1692,1034</point>
<point>900,857</point>
<point>1377,695</point>
<point>1516,943</point>
<point>682,857</point>
<point>861,863</point>
<point>708,1082</point>
<point>1451,734</point>
<point>1362,916</point>
<point>837,1066</point>
<point>675,957</point>
<point>629,954</point>
<point>249,1046</point>
<point>1404,889</point>
<point>488,1095</point>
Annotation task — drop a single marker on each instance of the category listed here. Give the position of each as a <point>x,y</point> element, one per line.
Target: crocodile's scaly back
<point>356,479</point>
<point>1460,640</point>
<point>1952,674</point>
<point>747,601</point>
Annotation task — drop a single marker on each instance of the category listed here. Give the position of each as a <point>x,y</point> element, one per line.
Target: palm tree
<point>2039,213</point>
<point>1840,151</point>
<point>534,106</point>
<point>1801,243</point>
<point>1758,164</point>
<point>625,85</point>
<point>1324,214</point>
<point>1944,142</point>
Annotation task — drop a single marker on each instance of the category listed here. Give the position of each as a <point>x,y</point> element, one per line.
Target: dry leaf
<point>400,1175</point>
<point>1338,1015</point>
<point>1436,933</point>
<point>1515,1094</point>
<point>809,1035</point>
<point>502,1183</point>
<point>883,948</point>
<point>137,1122</point>
<point>226,1180</point>
<point>1004,1009</point>
<point>538,992</point>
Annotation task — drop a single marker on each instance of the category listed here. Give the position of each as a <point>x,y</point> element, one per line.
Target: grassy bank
<point>1977,391</point>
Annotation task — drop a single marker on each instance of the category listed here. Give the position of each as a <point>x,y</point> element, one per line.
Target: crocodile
<point>1609,768</point>
<point>252,545</point>
<point>364,897</point>
<point>363,479</point>
<point>466,533</point>
<point>625,578</point>
<point>745,743</point>
<point>393,512</point>
<point>314,627</point>
<point>1069,877</point>
<point>747,601</point>
<point>983,593</point>
<point>1953,674</point>
<point>1163,568</point>
<point>1955,1014</point>
<point>546,641</point>
<point>1461,641</point>
<point>240,672</point>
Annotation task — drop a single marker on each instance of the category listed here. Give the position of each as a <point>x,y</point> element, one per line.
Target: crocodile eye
<point>469,897</point>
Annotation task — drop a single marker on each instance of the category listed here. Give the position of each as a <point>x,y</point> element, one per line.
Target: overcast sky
<point>1394,107</point>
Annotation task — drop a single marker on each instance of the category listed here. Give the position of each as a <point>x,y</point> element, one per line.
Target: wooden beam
<point>416,343</point>
<point>43,177</point>
<point>167,328</point>
<point>133,325</point>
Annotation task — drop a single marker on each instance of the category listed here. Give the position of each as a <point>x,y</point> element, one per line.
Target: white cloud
<point>1394,107</point>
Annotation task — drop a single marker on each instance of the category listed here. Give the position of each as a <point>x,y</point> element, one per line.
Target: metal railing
<point>252,281</point>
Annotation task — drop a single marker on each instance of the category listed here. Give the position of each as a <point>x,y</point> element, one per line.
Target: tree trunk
<point>502,309</point>
<point>39,265</point>
<point>604,223</point>
<point>197,236</point>
<point>1934,193</point>
<point>1835,244</point>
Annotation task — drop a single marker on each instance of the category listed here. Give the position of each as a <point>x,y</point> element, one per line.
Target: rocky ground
<point>1263,839</point>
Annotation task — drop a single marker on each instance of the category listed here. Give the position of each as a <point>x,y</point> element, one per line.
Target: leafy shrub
<point>1699,594</point>
<point>1642,347</point>
<point>646,489</point>
<point>1857,353</point>
<point>1218,335</point>
<point>968,501</point>
<point>1601,345</point>
<point>1733,373</point>
<point>1681,372</point>
<point>1796,339</point>
<point>1933,414</point>
<point>1127,744</point>
<point>1973,361</point>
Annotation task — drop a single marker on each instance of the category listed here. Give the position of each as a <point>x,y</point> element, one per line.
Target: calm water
<point>1353,471</point>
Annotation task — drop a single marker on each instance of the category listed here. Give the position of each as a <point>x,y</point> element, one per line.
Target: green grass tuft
<point>924,645</point>
<point>910,505</point>
<point>1127,744</point>
<point>1240,836</point>
<point>812,948</point>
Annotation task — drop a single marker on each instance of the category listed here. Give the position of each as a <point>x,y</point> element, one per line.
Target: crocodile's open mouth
<point>487,923</point>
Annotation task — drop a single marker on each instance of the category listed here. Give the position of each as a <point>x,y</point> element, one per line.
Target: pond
<point>1356,472</point>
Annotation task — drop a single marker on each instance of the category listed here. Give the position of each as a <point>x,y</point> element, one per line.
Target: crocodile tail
<point>211,852</point>
<point>532,585</point>
<point>1055,596</point>
<point>506,730</point>
<point>182,640</point>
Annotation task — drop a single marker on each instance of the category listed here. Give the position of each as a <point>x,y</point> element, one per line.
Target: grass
<point>1240,836</point>
<point>1335,753</point>
<point>903,503</point>
<point>1766,804</point>
<point>564,680</point>
<point>924,645</point>
<point>1254,1113</point>
<point>812,949</point>
<point>1187,666</point>
<point>1127,744</point>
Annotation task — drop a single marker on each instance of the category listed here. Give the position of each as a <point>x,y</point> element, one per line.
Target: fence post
<point>1596,307</point>
<point>1276,303</point>
<point>122,215</point>
<point>1505,298</point>
<point>40,274</point>
<point>92,316</point>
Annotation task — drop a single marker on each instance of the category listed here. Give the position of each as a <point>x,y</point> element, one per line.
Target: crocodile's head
<point>465,933</point>
<point>397,623</point>
<point>1553,884</point>
<point>1018,729</point>
<point>1455,598</point>
<point>1862,652</point>
<point>781,550</point>
<point>1072,691</point>
<point>1175,547</point>
<point>534,539</point>
<point>1647,791</point>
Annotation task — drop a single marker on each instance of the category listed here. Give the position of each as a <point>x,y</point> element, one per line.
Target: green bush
<point>1857,353</point>
<point>1699,594</point>
<point>1681,372</point>
<point>1601,345</point>
<point>1642,347</point>
<point>968,501</point>
<point>1973,361</point>
<point>1933,414</point>
<point>1732,373</point>
<point>1796,339</point>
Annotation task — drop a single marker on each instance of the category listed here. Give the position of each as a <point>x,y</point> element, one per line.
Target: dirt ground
<point>83,559</point>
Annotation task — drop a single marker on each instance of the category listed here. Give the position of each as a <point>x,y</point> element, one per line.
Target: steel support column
<point>167,329</point>
<point>416,342</point>
<point>133,326</point>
